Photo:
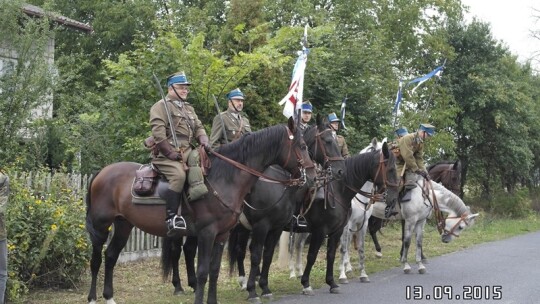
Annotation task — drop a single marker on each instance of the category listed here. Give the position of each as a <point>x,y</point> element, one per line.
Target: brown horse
<point>109,202</point>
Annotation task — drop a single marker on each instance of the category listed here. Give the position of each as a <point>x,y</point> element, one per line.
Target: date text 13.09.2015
<point>448,292</point>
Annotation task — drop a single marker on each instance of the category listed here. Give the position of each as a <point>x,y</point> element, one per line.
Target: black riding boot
<point>174,221</point>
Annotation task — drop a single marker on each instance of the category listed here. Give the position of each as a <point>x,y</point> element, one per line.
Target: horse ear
<point>456,165</point>
<point>291,125</point>
<point>374,142</point>
<point>472,216</point>
<point>385,150</point>
<point>318,120</point>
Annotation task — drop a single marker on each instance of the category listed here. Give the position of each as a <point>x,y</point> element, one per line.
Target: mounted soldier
<point>230,125</point>
<point>305,117</point>
<point>410,163</point>
<point>342,144</point>
<point>174,125</point>
<point>399,132</point>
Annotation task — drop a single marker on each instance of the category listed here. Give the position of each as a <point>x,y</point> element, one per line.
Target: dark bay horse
<point>448,173</point>
<point>328,218</point>
<point>270,207</point>
<point>210,218</point>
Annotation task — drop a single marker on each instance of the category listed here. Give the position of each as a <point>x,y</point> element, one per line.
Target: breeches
<point>173,171</point>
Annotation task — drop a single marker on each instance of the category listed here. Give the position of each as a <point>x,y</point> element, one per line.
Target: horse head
<point>303,166</point>
<point>448,174</point>
<point>386,174</point>
<point>454,225</point>
<point>324,149</point>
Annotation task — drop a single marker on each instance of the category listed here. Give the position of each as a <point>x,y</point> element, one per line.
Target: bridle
<point>319,144</point>
<point>290,182</point>
<point>462,218</point>
<point>383,192</point>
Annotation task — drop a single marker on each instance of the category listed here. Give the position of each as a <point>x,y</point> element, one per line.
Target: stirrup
<point>300,221</point>
<point>175,223</point>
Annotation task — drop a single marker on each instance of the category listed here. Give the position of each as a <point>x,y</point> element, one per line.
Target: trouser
<point>175,174</point>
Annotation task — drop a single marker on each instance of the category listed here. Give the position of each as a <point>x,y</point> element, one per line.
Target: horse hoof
<point>179,292</point>
<point>364,280</point>
<point>335,290</point>
<point>308,291</point>
<point>343,281</point>
<point>421,270</point>
<point>268,296</point>
<point>256,300</point>
<point>378,255</point>
<point>349,269</point>
<point>110,301</point>
<point>407,269</point>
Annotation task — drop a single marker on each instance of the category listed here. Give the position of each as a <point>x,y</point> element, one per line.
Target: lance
<point>221,119</point>
<point>171,126</point>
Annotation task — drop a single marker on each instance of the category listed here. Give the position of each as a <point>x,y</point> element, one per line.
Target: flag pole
<point>432,92</point>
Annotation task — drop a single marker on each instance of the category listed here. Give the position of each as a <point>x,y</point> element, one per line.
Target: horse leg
<point>331,249</point>
<point>419,237</point>
<point>271,241</point>
<point>176,252</point>
<point>300,241</point>
<point>122,228</point>
<point>374,225</point>
<point>345,259</point>
<point>98,237</point>
<point>314,246</point>
<point>190,250</point>
<point>255,248</point>
<point>243,239</point>
<point>215,266</point>
<point>205,245</point>
<point>364,278</point>
<point>407,234</point>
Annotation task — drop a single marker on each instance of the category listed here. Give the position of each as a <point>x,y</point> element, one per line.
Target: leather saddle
<point>147,186</point>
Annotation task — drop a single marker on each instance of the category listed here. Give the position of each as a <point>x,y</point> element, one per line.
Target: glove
<point>166,149</point>
<point>203,141</point>
<point>423,174</point>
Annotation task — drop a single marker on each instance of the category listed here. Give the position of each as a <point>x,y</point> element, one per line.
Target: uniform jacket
<point>234,127</point>
<point>186,124</point>
<point>342,144</point>
<point>4,194</point>
<point>411,147</point>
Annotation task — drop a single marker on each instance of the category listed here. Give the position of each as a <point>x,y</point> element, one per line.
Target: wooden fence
<point>139,245</point>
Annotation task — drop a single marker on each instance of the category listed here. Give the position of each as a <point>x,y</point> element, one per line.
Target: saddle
<point>147,186</point>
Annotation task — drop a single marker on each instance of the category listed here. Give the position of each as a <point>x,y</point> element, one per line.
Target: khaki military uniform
<point>411,148</point>
<point>187,126</point>
<point>342,144</point>
<point>235,125</point>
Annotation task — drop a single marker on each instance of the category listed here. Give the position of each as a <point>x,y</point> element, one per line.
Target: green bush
<point>47,243</point>
<point>515,205</point>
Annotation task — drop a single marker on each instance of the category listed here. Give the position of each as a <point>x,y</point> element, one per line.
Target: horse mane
<point>249,145</point>
<point>455,203</point>
<point>442,162</point>
<point>358,167</point>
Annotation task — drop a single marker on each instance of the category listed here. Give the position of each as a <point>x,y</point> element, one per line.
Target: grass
<point>141,282</point>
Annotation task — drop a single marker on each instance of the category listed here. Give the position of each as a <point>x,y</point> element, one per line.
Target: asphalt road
<point>506,271</point>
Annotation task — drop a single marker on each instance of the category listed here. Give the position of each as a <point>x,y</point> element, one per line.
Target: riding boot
<point>174,221</point>
<point>410,180</point>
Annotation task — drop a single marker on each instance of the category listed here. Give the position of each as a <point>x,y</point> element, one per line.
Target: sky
<point>512,22</point>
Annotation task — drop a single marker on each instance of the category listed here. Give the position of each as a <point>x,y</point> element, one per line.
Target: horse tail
<point>232,247</point>
<point>89,224</point>
<point>166,257</point>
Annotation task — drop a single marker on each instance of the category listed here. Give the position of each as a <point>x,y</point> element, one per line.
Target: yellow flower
<point>54,227</point>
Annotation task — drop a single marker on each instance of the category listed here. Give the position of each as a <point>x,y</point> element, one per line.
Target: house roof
<point>33,10</point>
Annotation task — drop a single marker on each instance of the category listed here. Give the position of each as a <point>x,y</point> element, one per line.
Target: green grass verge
<point>140,282</point>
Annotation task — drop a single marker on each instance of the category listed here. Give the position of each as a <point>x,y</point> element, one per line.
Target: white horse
<point>357,226</point>
<point>426,198</point>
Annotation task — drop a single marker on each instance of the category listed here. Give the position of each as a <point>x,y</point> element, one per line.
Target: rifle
<point>221,119</point>
<point>171,126</point>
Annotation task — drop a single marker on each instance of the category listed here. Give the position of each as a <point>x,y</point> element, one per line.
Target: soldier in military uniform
<point>305,117</point>
<point>342,144</point>
<point>399,132</point>
<point>4,194</point>
<point>171,160</point>
<point>232,121</point>
<point>411,161</point>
